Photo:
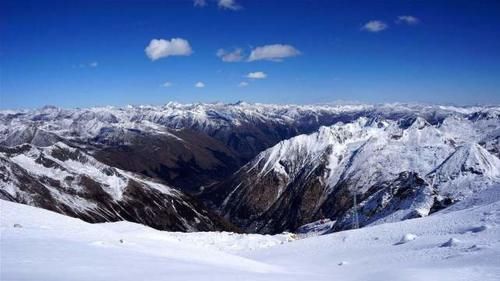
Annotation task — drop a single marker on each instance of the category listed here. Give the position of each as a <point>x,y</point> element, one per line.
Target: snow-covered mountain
<point>66,180</point>
<point>225,136</point>
<point>230,123</point>
<point>266,168</point>
<point>469,168</point>
<point>396,169</point>
<point>214,116</point>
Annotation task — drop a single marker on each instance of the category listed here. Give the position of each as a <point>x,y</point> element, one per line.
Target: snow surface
<point>40,245</point>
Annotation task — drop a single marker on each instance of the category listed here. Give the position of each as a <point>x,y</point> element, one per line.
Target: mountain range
<point>248,167</point>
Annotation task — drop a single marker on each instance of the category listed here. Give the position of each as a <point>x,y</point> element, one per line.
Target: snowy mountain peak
<point>470,158</point>
<point>419,123</point>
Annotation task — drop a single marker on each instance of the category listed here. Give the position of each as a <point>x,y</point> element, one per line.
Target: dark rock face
<point>272,204</point>
<point>387,199</point>
<point>257,206</point>
<point>50,179</point>
<point>187,161</point>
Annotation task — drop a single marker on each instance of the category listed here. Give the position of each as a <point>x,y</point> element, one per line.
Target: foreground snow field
<point>460,243</point>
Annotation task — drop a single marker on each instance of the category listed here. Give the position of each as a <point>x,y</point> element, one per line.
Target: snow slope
<point>459,243</point>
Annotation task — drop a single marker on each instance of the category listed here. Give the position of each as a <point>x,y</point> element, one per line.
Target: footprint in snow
<point>452,242</point>
<point>475,248</point>
<point>476,229</point>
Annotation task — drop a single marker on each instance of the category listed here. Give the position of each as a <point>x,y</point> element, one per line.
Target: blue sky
<point>86,53</point>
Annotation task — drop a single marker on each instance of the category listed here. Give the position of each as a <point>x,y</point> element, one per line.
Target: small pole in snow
<point>355,212</point>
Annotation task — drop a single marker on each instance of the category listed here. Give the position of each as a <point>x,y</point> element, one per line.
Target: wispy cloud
<point>374,26</point>
<point>256,75</point>
<point>243,84</point>
<point>410,20</point>
<point>229,4</point>
<point>199,85</point>
<point>234,56</point>
<point>161,48</point>
<point>92,64</point>
<point>275,52</point>
<point>199,3</point>
<point>167,84</point>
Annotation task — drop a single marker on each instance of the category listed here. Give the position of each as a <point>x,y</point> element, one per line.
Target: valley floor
<point>40,245</point>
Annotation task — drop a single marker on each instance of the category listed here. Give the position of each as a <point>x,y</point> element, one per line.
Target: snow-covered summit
<point>467,170</point>
<point>470,158</point>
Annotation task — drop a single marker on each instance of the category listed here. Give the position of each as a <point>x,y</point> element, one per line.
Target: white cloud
<point>374,26</point>
<point>275,52</point>
<point>85,65</point>
<point>410,20</point>
<point>243,84</point>
<point>234,56</point>
<point>167,84</point>
<point>256,75</point>
<point>161,48</point>
<point>200,3</point>
<point>199,85</point>
<point>229,4</point>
